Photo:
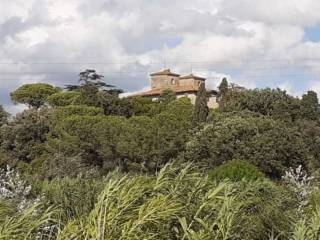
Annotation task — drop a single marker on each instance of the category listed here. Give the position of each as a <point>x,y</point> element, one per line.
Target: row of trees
<point>88,127</point>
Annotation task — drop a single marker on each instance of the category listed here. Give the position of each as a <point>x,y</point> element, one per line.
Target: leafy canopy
<point>235,170</point>
<point>34,95</point>
<point>270,145</point>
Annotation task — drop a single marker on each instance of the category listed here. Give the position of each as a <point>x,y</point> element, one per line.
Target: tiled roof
<point>176,89</point>
<point>165,72</point>
<point>192,76</point>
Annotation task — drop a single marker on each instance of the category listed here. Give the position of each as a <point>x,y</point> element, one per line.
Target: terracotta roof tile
<point>192,76</point>
<point>165,72</point>
<point>176,89</point>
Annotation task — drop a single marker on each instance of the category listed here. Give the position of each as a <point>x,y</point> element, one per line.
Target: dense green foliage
<point>176,203</point>
<point>24,137</point>
<point>235,170</point>
<point>3,116</point>
<point>94,165</point>
<point>270,145</point>
<point>310,106</point>
<point>33,95</point>
<point>61,99</point>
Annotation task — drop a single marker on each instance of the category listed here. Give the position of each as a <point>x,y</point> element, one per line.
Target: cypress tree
<point>201,109</point>
<point>3,116</point>
<point>310,106</point>
<point>223,91</point>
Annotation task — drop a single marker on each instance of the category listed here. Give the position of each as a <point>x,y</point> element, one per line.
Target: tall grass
<point>308,228</point>
<point>32,223</point>
<point>177,203</point>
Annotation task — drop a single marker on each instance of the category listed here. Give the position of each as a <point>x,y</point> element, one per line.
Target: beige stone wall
<point>164,81</point>
<point>167,81</point>
<point>212,102</point>
<point>191,96</point>
<point>187,82</point>
<point>190,82</point>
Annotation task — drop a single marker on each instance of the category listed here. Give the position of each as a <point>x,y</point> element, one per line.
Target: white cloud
<point>244,40</point>
<point>315,86</point>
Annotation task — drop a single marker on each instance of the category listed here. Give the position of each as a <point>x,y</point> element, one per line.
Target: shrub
<point>176,203</point>
<point>270,145</point>
<point>267,209</point>
<point>235,170</point>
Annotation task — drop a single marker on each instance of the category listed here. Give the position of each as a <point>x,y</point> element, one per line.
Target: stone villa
<point>182,86</point>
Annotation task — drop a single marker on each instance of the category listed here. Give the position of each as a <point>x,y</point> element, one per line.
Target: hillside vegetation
<point>83,163</point>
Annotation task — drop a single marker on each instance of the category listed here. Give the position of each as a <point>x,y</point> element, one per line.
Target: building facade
<point>182,86</point>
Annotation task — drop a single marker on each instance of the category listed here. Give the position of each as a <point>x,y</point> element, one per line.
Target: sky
<point>261,43</point>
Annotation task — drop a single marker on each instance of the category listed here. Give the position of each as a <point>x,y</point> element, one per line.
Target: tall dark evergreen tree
<point>3,116</point>
<point>91,78</point>
<point>93,91</point>
<point>310,108</point>
<point>223,91</point>
<point>201,109</point>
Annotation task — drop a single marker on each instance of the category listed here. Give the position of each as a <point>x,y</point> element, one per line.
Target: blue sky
<point>262,43</point>
<point>312,34</point>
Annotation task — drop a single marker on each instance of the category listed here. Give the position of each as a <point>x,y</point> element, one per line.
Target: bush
<point>235,170</point>
<point>270,145</point>
<point>267,209</point>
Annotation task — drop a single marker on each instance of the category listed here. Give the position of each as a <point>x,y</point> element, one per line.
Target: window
<point>173,82</point>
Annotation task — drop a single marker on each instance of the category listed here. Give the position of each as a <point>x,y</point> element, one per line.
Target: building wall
<point>191,96</point>
<point>212,102</point>
<point>164,81</point>
<point>167,81</point>
<point>190,82</point>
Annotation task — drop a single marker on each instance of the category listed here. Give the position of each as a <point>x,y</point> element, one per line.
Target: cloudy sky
<point>259,43</point>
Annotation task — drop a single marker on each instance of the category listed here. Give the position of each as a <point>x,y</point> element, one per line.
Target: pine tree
<point>201,109</point>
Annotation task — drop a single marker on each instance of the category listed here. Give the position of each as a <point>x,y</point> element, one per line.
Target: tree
<point>91,78</point>
<point>311,134</point>
<point>269,102</point>
<point>310,108</point>
<point>113,105</point>
<point>74,137</point>
<point>24,137</point>
<point>141,105</point>
<point>84,136</point>
<point>223,87</point>
<point>3,116</point>
<point>201,109</point>
<point>61,99</point>
<point>145,144</point>
<point>223,91</point>
<point>92,91</point>
<point>167,96</point>
<point>34,95</point>
<point>270,145</point>
<point>80,139</point>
